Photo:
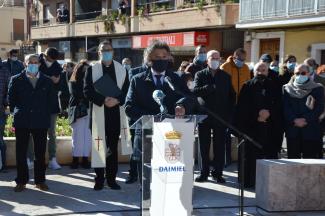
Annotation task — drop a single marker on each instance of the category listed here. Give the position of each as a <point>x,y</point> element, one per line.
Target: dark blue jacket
<point>14,67</point>
<point>139,99</point>
<point>31,107</point>
<point>54,70</point>
<point>134,71</point>
<point>296,108</point>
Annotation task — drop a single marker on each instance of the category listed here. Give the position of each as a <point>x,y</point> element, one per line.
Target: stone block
<point>290,184</point>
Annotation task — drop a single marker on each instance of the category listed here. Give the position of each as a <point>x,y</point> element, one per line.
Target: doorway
<point>271,47</point>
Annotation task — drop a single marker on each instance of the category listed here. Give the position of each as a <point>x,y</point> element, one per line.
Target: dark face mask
<point>160,65</point>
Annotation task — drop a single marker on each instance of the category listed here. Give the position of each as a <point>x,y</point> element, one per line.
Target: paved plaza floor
<point>71,193</point>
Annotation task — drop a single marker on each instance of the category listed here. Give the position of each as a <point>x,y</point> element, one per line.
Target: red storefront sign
<point>172,39</point>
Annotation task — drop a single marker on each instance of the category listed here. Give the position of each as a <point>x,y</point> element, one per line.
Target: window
<point>46,13</point>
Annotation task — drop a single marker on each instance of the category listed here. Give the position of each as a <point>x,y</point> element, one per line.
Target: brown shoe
<point>42,186</point>
<point>19,187</point>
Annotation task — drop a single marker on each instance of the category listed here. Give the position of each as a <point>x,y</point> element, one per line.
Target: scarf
<point>300,90</point>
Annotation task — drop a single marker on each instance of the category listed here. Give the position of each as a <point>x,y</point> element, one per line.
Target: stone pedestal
<point>290,185</point>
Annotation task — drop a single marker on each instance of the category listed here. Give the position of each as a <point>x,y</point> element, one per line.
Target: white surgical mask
<point>14,58</point>
<point>322,75</point>
<point>179,73</point>
<point>190,85</point>
<point>214,64</point>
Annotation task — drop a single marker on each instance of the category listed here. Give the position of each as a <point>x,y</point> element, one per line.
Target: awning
<point>172,39</point>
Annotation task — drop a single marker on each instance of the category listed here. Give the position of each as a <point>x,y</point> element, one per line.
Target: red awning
<point>172,39</point>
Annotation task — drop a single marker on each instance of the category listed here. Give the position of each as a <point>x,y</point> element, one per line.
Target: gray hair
<point>156,44</point>
<point>211,52</point>
<point>31,56</point>
<point>257,66</point>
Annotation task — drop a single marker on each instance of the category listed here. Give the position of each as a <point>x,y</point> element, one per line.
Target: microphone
<point>158,96</point>
<point>169,82</point>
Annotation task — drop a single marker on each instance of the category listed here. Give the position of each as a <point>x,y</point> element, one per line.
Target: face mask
<point>32,68</point>
<point>214,64</point>
<point>14,58</point>
<point>179,73</point>
<point>159,65</point>
<point>48,64</point>
<point>291,66</point>
<point>311,70</point>
<point>202,57</point>
<point>239,63</point>
<point>275,68</point>
<point>301,79</point>
<point>322,75</point>
<point>107,56</point>
<point>127,67</point>
<point>190,85</point>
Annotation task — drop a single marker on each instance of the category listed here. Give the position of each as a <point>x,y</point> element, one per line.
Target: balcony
<point>87,24</point>
<point>273,13</point>
<point>182,15</point>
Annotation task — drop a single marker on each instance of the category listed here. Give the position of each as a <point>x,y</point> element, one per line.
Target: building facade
<point>13,32</point>
<point>282,27</point>
<point>182,24</point>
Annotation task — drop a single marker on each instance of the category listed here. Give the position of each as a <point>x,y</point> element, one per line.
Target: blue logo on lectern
<point>171,169</point>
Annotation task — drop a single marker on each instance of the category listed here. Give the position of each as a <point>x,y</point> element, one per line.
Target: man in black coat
<point>215,91</point>
<point>259,114</point>
<point>139,100</point>
<point>30,98</point>
<point>52,69</point>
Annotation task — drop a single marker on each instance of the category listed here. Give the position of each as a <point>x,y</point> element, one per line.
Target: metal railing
<point>253,10</point>
<point>46,22</point>
<point>87,15</point>
<point>12,3</point>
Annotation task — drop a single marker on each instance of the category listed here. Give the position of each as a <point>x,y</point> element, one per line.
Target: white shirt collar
<point>155,73</point>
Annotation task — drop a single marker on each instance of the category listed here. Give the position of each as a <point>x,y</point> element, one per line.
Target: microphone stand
<point>245,139</point>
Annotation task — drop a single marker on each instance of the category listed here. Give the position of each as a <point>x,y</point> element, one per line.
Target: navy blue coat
<point>14,67</point>
<point>296,108</point>
<point>31,107</point>
<point>139,99</point>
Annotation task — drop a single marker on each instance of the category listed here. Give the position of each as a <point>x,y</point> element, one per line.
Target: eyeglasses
<point>303,73</point>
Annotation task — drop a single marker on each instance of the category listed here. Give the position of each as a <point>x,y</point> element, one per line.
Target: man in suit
<point>112,111</point>
<point>139,100</point>
<point>30,98</point>
<point>214,88</point>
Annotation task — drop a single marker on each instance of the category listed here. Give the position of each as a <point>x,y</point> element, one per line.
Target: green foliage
<point>110,19</point>
<point>63,127</point>
<point>200,4</point>
<point>9,129</point>
<point>140,11</point>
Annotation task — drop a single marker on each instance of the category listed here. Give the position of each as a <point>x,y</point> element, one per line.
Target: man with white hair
<point>31,99</point>
<point>215,91</point>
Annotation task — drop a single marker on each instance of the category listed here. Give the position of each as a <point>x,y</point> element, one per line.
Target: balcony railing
<point>252,10</point>
<point>12,3</point>
<point>87,15</point>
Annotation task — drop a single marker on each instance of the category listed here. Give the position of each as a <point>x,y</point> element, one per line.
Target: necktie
<point>158,81</point>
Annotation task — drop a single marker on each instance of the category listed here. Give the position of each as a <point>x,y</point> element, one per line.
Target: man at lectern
<point>139,100</point>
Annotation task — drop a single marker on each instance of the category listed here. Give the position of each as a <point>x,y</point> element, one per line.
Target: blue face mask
<point>32,68</point>
<point>239,63</point>
<point>107,56</point>
<point>311,70</point>
<point>301,79</point>
<point>202,57</point>
<point>291,66</point>
<point>275,68</point>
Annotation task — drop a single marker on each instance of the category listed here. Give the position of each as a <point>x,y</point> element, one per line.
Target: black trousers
<point>300,148</point>
<point>219,134</point>
<point>22,141</point>
<point>133,163</point>
<point>112,138</point>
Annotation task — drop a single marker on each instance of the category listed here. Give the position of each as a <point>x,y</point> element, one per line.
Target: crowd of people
<point>266,103</point>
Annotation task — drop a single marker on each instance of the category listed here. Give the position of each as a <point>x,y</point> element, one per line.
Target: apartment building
<point>13,31</point>
<point>182,24</point>
<point>281,27</point>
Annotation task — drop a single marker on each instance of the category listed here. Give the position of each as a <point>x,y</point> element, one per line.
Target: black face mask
<point>160,65</point>
<point>260,77</point>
